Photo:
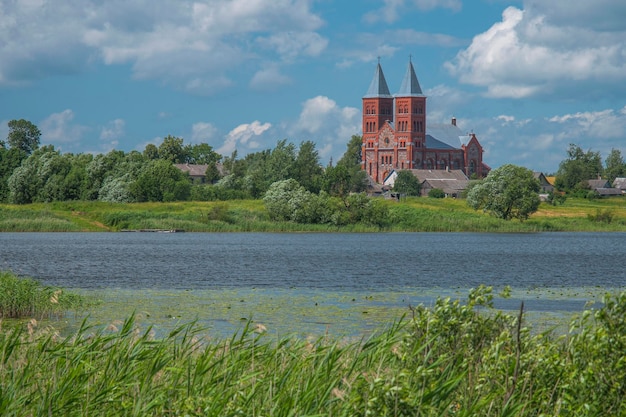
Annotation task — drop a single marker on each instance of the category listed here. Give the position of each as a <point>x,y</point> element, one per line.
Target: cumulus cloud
<point>328,124</point>
<point>244,137</point>
<point>539,50</point>
<point>60,128</point>
<point>190,45</point>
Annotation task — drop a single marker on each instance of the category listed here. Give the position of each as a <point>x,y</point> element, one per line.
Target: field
<point>410,215</point>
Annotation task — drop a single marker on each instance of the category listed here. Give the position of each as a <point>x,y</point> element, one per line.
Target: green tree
<point>172,150</point>
<point>151,151</point>
<point>23,135</point>
<point>202,153</point>
<point>307,169</point>
<point>406,183</point>
<point>509,192</point>
<point>579,167</point>
<point>614,166</point>
<point>347,176</point>
<point>10,159</point>
<point>161,181</point>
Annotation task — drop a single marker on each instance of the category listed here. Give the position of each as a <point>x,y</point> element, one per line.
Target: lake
<point>314,282</point>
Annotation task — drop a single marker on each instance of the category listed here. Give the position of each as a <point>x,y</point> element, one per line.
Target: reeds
<point>453,359</point>
<point>27,298</point>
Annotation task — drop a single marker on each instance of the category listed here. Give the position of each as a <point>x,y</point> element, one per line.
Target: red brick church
<point>397,137</point>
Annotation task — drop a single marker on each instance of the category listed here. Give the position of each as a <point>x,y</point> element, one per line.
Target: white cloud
<point>59,128</point>
<point>328,124</point>
<point>202,132</point>
<point>536,51</point>
<point>392,9</point>
<point>188,44</point>
<point>243,138</point>
<point>113,130</point>
<point>605,124</point>
<point>290,45</point>
<point>268,79</point>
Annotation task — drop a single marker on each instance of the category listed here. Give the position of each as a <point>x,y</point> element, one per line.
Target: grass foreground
<point>408,215</point>
<point>452,359</point>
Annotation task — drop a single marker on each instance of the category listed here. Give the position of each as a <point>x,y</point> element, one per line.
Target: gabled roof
<point>410,87</point>
<point>595,184</point>
<point>620,183</point>
<point>194,170</point>
<point>378,86</point>
<point>439,174</point>
<point>447,134</point>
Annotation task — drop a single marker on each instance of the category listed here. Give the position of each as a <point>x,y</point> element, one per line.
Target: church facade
<point>396,136</point>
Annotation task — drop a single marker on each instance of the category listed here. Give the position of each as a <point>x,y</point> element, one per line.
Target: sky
<point>527,77</point>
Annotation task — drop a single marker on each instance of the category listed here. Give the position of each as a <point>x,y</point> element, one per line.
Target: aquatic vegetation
<point>27,298</point>
<point>455,358</point>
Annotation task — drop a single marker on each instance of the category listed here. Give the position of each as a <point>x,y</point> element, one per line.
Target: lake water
<point>360,278</point>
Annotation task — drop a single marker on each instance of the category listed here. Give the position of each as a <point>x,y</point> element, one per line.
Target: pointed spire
<point>410,86</point>
<point>378,86</point>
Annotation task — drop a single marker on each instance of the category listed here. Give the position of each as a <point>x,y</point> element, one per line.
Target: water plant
<point>456,358</point>
<point>28,298</point>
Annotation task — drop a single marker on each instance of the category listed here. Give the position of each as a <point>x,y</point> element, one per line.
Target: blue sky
<point>527,77</point>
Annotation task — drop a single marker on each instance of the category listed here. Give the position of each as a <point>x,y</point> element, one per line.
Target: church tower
<point>410,116</point>
<point>377,109</point>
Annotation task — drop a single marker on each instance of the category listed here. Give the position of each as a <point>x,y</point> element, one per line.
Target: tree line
<point>32,173</point>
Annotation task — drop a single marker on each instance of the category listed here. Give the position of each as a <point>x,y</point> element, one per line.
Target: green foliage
<point>614,166</point>
<point>604,216</point>
<point>172,150</point>
<point>23,135</point>
<point>508,192</point>
<point>161,181</point>
<point>27,298</point>
<point>579,167</point>
<point>436,193</point>
<point>455,358</point>
<point>556,198</point>
<point>406,183</point>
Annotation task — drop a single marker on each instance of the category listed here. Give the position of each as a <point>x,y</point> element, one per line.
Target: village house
<point>396,135</point>
<point>451,182</point>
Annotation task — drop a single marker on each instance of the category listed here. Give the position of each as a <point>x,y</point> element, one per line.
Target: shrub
<point>436,193</point>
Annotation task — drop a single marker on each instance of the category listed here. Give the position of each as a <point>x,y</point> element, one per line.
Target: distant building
<point>544,183</point>
<point>397,137</point>
<point>197,172</point>
<point>451,182</point>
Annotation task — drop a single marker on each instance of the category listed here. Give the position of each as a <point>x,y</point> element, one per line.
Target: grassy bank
<point>447,360</point>
<point>411,215</point>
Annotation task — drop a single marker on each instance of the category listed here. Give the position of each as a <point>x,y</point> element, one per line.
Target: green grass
<point>409,215</point>
<point>452,359</point>
<point>27,298</point>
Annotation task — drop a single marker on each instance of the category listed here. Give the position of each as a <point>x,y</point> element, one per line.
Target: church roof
<point>444,136</point>
<point>378,86</point>
<point>410,86</point>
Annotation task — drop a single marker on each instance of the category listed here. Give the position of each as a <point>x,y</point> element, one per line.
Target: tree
<point>509,192</point>
<point>172,150</point>
<point>161,181</point>
<point>151,151</point>
<point>579,167</point>
<point>202,153</point>
<point>23,135</point>
<point>615,166</point>
<point>307,170</point>
<point>406,183</point>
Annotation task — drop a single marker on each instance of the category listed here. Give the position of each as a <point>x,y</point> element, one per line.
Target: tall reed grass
<point>453,359</point>
<point>27,298</point>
